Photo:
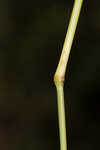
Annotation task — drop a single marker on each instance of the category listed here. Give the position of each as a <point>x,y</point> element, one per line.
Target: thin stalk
<point>61,114</point>
<point>59,76</point>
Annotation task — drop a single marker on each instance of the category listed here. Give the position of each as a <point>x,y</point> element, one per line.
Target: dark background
<point>31,39</point>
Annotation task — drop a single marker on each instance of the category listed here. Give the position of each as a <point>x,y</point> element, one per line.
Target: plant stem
<point>59,76</point>
<point>61,114</point>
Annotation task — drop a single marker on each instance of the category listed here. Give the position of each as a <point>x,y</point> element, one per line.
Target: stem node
<point>59,80</point>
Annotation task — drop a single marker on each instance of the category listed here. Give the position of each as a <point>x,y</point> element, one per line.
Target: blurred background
<point>31,39</point>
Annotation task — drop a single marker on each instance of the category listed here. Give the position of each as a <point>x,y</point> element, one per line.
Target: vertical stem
<point>59,76</point>
<point>61,114</point>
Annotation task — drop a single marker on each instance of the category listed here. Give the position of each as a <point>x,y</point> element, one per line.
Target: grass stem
<point>59,76</point>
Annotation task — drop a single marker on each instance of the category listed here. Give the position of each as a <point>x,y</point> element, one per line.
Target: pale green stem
<point>61,69</point>
<point>61,114</point>
<point>60,72</point>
